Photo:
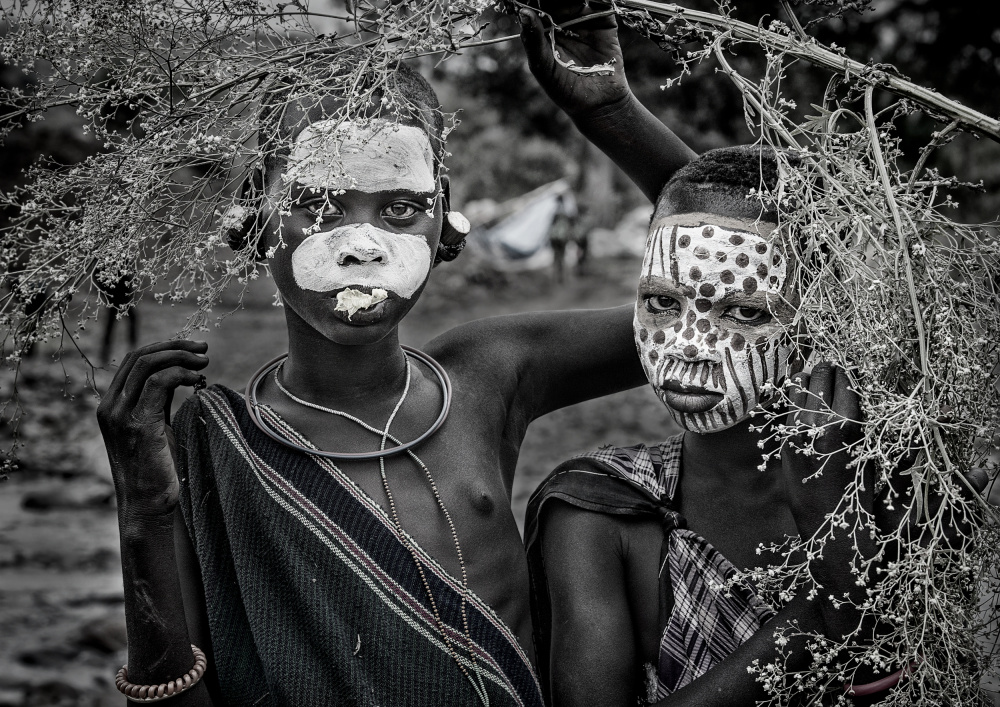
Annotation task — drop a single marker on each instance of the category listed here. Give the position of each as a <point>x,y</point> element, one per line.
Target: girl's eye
<point>748,315</point>
<point>661,304</point>
<point>399,210</point>
<point>326,210</point>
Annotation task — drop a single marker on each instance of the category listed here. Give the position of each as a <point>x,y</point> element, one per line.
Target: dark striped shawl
<point>700,621</point>
<point>312,597</point>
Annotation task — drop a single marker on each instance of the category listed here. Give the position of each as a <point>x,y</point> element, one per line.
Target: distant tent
<point>514,235</point>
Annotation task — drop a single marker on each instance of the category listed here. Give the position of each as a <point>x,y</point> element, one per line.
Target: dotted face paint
<point>708,317</point>
<point>361,255</point>
<point>369,156</point>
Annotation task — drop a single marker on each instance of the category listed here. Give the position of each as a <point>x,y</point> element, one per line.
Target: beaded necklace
<point>276,365</point>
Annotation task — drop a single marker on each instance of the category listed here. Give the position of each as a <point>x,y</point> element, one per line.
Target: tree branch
<point>815,53</point>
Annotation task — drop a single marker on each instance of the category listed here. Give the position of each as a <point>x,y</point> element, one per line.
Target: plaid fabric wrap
<point>312,597</point>
<point>708,621</point>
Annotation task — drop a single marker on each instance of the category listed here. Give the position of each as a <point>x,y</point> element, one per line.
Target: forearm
<point>730,683</point>
<point>159,647</point>
<point>579,355</point>
<point>635,139</point>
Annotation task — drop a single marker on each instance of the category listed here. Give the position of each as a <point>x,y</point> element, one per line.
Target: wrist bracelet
<point>881,684</point>
<point>155,693</point>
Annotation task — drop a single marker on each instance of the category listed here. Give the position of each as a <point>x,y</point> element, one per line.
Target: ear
<point>250,203</point>
<point>446,193</point>
<point>454,228</point>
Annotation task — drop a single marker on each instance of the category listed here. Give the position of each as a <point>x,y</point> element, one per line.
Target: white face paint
<point>369,156</point>
<point>708,317</point>
<point>361,255</point>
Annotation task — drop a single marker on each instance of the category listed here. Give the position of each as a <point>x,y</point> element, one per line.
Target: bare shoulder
<point>482,342</point>
<point>578,541</point>
<point>548,359</point>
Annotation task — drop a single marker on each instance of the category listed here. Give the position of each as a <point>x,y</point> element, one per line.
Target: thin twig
<point>817,54</point>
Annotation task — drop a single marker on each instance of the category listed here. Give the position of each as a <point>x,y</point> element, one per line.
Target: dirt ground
<point>62,633</point>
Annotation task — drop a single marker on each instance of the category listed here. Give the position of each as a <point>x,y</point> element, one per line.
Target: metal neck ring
<point>253,408</point>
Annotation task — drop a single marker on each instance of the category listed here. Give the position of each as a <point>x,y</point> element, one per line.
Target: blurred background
<point>558,226</point>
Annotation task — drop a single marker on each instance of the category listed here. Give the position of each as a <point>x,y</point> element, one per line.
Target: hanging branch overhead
<point>815,53</point>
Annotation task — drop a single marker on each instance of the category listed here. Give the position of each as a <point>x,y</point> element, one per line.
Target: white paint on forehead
<point>361,255</point>
<point>370,156</point>
<point>728,259</point>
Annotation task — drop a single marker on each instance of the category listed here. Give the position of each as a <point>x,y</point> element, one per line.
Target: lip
<point>362,317</point>
<point>689,399</point>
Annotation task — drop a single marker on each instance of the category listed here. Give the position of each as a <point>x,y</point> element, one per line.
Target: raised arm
<point>138,440</point>
<point>542,361</point>
<point>600,103</point>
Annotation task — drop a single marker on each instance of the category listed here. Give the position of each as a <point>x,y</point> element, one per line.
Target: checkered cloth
<point>705,620</point>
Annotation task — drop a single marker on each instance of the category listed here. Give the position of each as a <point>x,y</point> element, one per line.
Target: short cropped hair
<point>311,92</point>
<point>720,182</point>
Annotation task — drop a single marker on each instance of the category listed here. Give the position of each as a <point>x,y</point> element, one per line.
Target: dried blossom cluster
<point>183,100</point>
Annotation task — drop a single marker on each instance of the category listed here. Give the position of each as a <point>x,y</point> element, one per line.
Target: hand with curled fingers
<point>590,47</point>
<point>134,421</point>
<point>834,497</point>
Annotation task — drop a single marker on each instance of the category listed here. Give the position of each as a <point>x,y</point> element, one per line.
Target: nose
<point>360,255</point>
<point>694,350</point>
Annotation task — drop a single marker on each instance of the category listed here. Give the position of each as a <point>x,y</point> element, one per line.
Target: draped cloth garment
<point>312,597</point>
<point>702,620</point>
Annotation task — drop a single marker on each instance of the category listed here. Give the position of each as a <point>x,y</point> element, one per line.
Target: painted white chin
<point>362,256</point>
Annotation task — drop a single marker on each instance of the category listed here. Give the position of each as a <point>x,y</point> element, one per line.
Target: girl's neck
<point>731,456</point>
<point>341,375</point>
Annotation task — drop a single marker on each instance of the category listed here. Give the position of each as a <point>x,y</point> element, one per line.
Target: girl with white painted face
<point>630,549</point>
<point>343,533</point>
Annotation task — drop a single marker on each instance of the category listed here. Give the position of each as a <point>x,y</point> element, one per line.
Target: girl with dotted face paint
<point>710,315</point>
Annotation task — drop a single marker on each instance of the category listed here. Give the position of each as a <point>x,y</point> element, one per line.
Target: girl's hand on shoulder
<point>133,418</point>
<point>590,46</point>
<point>822,479</point>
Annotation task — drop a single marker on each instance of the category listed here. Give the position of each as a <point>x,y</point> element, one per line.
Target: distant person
<point>561,233</point>
<point>581,238</point>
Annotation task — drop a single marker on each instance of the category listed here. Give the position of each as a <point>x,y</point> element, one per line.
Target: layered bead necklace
<point>275,366</point>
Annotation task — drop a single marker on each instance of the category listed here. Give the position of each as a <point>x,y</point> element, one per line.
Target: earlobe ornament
<point>456,228</point>
<point>241,221</point>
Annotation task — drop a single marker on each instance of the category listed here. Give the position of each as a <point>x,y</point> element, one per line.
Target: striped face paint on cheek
<point>708,318</point>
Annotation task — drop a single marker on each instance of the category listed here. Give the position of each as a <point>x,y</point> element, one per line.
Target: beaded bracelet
<point>155,693</point>
<point>877,686</point>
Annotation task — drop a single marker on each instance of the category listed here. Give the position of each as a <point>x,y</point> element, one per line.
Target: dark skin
<point>602,570</point>
<point>601,106</point>
<point>505,372</point>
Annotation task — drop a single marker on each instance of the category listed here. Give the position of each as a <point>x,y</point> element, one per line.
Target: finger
<point>536,47</point>
<point>799,390</point>
<point>152,363</point>
<point>846,402</point>
<point>118,383</point>
<point>993,493</point>
<point>978,479</point>
<point>956,514</point>
<point>159,389</point>
<point>562,10</point>
<point>821,384</point>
